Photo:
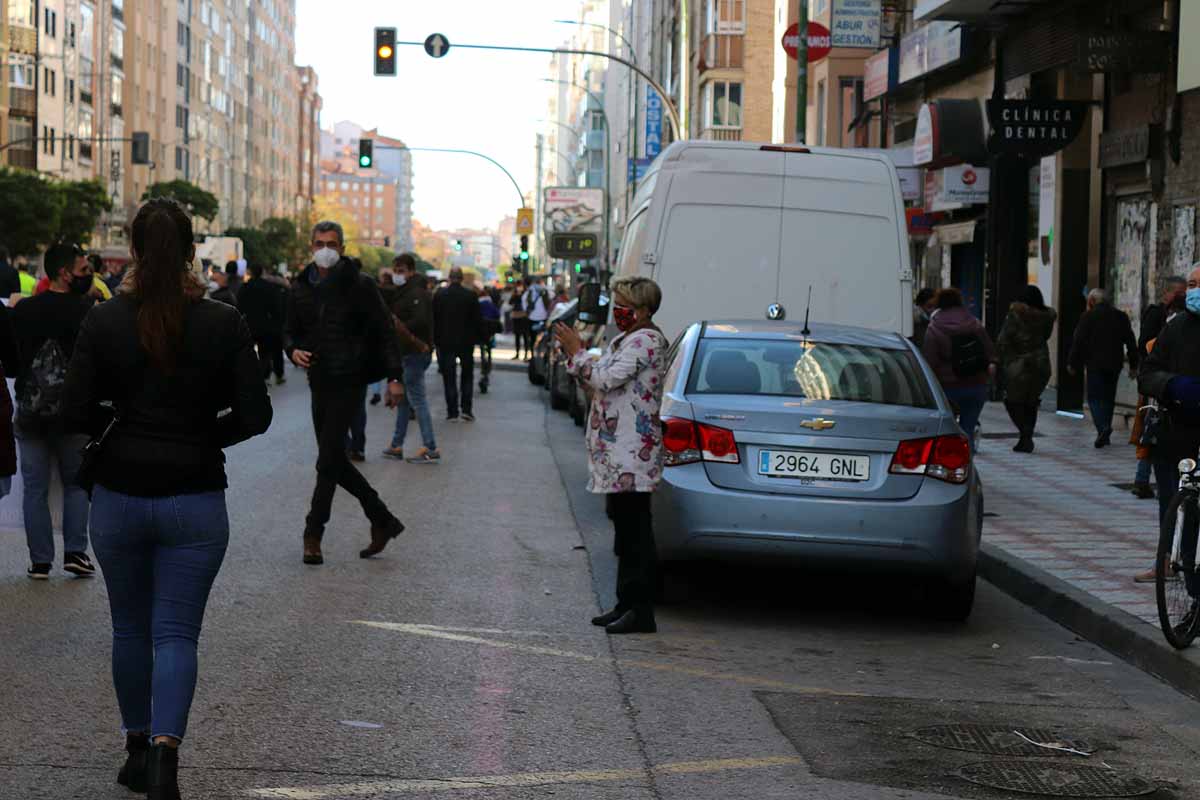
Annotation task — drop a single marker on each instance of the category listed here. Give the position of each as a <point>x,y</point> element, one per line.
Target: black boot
<point>380,536</point>
<point>634,622</point>
<point>610,617</point>
<point>133,774</point>
<point>162,773</point>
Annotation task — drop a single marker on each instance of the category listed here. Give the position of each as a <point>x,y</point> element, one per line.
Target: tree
<point>284,241</point>
<point>327,207</point>
<point>30,211</point>
<point>375,258</point>
<point>254,245</point>
<point>82,204</point>
<point>197,201</point>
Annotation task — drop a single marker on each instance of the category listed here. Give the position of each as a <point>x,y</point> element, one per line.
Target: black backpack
<point>967,357</point>
<point>40,397</point>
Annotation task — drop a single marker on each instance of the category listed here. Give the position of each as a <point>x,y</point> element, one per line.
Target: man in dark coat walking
<point>262,304</point>
<point>457,324</point>
<point>1102,333</point>
<point>341,332</point>
<point>1155,318</point>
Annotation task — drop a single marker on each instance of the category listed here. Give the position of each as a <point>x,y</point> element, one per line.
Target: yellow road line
<point>373,788</point>
<point>452,635</point>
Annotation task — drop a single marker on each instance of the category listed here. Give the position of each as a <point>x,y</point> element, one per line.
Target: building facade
<point>393,161</point>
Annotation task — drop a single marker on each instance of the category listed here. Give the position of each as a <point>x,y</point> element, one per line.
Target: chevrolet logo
<point>818,424</point>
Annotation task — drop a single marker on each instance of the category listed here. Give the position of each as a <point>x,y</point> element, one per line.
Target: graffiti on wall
<point>1133,257</point>
<point>1183,240</point>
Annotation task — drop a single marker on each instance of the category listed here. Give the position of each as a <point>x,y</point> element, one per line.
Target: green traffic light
<point>578,267</point>
<point>524,255</point>
<point>364,161</point>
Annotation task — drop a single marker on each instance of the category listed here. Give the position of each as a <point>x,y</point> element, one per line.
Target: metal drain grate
<point>1055,779</point>
<point>998,740</point>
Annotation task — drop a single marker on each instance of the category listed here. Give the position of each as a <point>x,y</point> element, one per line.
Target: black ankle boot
<point>133,774</point>
<point>162,773</point>
<point>610,617</point>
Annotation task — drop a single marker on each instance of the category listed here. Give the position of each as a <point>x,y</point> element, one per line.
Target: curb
<point>1117,631</point>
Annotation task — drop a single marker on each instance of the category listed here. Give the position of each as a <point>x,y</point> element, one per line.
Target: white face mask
<point>326,257</point>
<point>213,286</point>
<point>399,280</point>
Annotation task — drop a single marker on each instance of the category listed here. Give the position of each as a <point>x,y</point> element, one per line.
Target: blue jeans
<point>159,556</point>
<point>970,401</point>
<point>1142,475</point>
<point>38,450</point>
<point>415,367</point>
<point>1102,397</point>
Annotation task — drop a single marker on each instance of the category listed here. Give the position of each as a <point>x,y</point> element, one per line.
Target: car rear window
<point>814,370</point>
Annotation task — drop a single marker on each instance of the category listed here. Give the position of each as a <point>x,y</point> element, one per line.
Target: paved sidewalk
<point>1059,509</point>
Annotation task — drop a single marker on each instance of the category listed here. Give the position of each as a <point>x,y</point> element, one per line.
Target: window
<point>70,90</point>
<point>50,141</point>
<point>379,202</point>
<point>49,81</point>
<point>86,41</point>
<point>71,40</point>
<point>51,23</point>
<point>723,104</point>
<point>117,85</point>
<point>817,7</point>
<point>117,46</point>
<point>725,16</point>
<point>22,12</point>
<point>21,72</point>
<point>45,139</point>
<point>850,102</point>
<point>345,185</point>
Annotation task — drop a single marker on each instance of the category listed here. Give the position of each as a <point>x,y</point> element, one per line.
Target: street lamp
<point>607,157</point>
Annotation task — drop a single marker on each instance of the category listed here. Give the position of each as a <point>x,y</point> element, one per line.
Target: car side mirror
<point>593,304</point>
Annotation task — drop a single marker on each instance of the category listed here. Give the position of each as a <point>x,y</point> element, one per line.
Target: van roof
<point>679,151</point>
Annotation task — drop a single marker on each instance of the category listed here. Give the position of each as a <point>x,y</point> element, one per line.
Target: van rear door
<point>842,236</point>
<point>718,253</point>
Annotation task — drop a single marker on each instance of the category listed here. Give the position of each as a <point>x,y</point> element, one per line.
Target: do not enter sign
<point>820,41</point>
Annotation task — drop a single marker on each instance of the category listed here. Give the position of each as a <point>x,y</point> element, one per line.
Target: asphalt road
<point>461,662</point>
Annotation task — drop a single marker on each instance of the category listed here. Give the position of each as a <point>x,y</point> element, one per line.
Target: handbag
<point>89,462</point>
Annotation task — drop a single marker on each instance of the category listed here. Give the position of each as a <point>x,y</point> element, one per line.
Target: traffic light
<point>578,267</point>
<point>140,151</point>
<point>385,51</point>
<point>525,248</point>
<point>366,153</point>
<point>458,245</point>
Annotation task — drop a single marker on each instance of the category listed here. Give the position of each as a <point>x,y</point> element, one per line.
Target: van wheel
<point>952,601</point>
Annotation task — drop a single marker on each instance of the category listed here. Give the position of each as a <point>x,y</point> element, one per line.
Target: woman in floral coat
<point>624,440</point>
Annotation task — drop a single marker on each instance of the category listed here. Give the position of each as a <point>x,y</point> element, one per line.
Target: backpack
<point>41,393</point>
<point>967,357</point>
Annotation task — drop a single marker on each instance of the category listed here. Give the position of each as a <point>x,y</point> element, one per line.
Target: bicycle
<point>1176,574</point>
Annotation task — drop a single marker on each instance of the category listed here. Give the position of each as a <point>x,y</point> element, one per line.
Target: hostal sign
<point>1033,128</point>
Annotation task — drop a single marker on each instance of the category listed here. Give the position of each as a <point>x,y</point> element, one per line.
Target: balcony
<point>722,134</point>
<point>22,101</point>
<point>722,51</point>
<point>25,159</point>
<point>22,39</point>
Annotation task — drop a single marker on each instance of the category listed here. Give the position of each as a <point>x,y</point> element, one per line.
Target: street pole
<point>685,66</point>
<point>538,238</point>
<point>802,75</point>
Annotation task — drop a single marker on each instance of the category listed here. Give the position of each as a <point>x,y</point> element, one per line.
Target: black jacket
<point>49,315</point>
<point>173,426</point>
<point>10,281</point>
<point>457,321</point>
<point>262,303</point>
<point>343,322</point>
<point>224,295</point>
<point>1176,353</point>
<point>1100,336</point>
<point>413,306</point>
<point>1153,320</point>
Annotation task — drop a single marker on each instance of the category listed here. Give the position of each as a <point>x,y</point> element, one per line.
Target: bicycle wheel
<point>1176,582</point>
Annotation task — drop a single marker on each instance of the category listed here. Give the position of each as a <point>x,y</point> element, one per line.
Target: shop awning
<point>967,10</point>
<point>953,233</point>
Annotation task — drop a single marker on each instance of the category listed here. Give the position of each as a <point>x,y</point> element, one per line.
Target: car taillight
<point>686,442</point>
<point>946,458</point>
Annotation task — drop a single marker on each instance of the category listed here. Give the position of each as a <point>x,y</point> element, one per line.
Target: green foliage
<point>30,211</point>
<point>254,245</point>
<point>197,201</point>
<point>375,258</point>
<point>83,203</point>
<point>284,241</point>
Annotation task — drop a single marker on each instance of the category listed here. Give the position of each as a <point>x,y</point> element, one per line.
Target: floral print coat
<point>624,435</point>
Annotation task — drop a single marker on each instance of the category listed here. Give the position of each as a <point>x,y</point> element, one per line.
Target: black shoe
<point>280,380</point>
<point>162,773</point>
<point>468,417</point>
<point>376,399</point>
<point>1024,445</point>
<point>133,774</point>
<point>79,564</point>
<point>633,622</point>
<point>1142,491</point>
<point>606,619</point>
<point>312,550</point>
<point>39,572</point>
<point>452,418</point>
<point>380,536</point>
<point>1104,440</point>
<point>357,456</point>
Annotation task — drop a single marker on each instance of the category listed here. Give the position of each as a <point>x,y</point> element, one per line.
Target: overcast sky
<point>478,100</point>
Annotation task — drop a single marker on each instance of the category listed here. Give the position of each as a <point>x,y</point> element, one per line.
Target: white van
<point>742,230</point>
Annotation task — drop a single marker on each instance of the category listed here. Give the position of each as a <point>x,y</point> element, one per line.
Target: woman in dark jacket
<point>1025,359</point>
<point>181,373</point>
<point>960,352</point>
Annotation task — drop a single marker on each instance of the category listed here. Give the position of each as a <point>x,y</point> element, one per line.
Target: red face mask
<point>624,317</point>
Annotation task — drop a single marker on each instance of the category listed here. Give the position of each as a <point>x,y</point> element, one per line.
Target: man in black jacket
<point>10,281</point>
<point>1158,315</point>
<point>223,278</point>
<point>341,332</point>
<point>262,304</point>
<point>413,308</point>
<point>457,325</point>
<point>1102,333</point>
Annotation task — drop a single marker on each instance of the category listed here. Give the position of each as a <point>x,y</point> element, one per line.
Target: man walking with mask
<point>457,324</point>
<point>46,327</point>
<point>413,309</point>
<point>341,332</point>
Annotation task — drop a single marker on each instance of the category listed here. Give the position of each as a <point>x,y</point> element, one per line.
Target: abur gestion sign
<point>1033,128</point>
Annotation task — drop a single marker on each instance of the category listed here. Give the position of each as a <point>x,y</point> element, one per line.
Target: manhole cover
<point>1055,779</point>
<point>999,740</point>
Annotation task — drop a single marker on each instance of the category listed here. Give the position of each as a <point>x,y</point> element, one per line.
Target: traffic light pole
<point>672,113</point>
<point>516,186</point>
<point>802,75</point>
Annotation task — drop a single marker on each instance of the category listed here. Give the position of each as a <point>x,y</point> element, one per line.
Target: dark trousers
<point>332,410</point>
<point>357,441</point>
<point>523,335</point>
<point>634,546</point>
<point>270,353</point>
<point>1102,397</point>
<point>1024,416</point>
<point>459,389</point>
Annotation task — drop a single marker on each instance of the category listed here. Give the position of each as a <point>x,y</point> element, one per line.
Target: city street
<point>460,663</point>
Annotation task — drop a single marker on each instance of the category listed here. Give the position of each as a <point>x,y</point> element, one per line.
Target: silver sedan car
<point>832,446</point>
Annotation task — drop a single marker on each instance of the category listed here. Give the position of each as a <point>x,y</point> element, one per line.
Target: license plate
<point>814,466</point>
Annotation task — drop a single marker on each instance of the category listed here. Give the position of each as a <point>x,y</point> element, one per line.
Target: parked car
<point>833,446</point>
<point>543,345</point>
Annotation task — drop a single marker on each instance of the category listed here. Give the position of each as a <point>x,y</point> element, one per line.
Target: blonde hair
<point>642,292</point>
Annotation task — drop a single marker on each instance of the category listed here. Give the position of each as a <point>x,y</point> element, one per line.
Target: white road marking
<point>1069,660</point>
<point>375,788</point>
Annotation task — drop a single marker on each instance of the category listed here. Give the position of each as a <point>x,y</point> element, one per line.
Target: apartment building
<point>308,156</point>
<point>393,164</point>
<point>20,97</point>
<point>367,196</point>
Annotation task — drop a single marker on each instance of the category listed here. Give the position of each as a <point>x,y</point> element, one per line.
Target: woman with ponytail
<point>173,379</point>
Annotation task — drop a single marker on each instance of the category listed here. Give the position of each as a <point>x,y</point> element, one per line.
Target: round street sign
<point>820,41</point>
<point>437,45</point>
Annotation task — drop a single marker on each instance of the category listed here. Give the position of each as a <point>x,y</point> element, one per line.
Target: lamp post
<point>607,160</point>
